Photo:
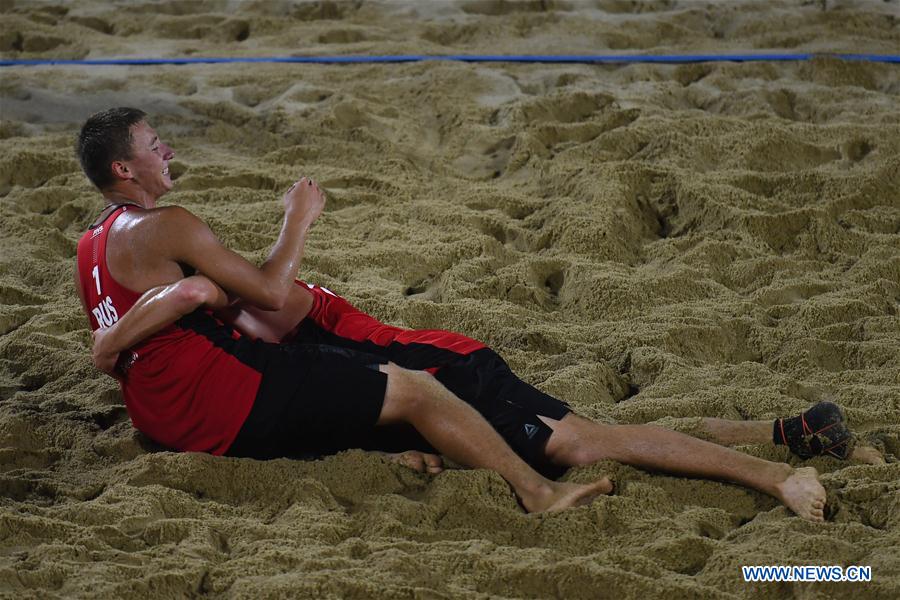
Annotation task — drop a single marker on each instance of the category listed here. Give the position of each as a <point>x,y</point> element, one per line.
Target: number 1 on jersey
<point>96,274</point>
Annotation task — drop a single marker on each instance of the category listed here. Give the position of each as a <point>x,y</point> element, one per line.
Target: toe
<point>413,461</point>
<point>434,464</point>
<point>809,515</point>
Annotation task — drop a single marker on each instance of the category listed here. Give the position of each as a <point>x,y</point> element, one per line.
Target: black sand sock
<point>820,430</point>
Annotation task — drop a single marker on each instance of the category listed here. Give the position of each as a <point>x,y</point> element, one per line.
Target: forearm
<point>189,240</point>
<point>158,308</point>
<point>269,325</point>
<point>280,268</point>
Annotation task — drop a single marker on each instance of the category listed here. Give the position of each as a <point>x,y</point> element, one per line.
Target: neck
<point>115,196</point>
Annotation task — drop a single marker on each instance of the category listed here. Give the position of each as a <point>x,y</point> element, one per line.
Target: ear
<point>120,170</point>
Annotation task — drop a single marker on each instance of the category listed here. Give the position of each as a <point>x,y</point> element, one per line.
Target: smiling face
<point>148,167</point>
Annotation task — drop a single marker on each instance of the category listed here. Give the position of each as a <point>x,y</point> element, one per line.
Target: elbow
<point>190,295</point>
<point>274,300</point>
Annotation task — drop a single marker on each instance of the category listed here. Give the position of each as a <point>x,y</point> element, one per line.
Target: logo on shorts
<point>530,430</point>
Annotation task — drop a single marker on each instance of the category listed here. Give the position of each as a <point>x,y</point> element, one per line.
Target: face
<point>149,163</point>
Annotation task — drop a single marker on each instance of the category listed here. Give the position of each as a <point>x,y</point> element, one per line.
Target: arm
<point>269,325</point>
<point>157,308</point>
<point>185,238</point>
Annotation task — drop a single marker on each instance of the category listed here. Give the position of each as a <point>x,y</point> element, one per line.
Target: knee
<point>577,441</point>
<point>406,392</point>
<point>572,453</point>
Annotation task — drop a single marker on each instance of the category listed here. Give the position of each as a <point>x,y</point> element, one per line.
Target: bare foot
<point>802,493</point>
<point>560,496</point>
<point>867,455</point>
<point>420,462</point>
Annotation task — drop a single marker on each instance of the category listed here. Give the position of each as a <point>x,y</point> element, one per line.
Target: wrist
<point>299,217</point>
<point>104,343</point>
<point>301,226</point>
<point>106,357</point>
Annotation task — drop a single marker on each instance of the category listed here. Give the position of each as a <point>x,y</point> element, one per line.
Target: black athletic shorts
<point>314,399</point>
<point>324,393</point>
<point>511,406</point>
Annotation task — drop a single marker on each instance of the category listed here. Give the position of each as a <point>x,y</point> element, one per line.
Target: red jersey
<point>190,386</point>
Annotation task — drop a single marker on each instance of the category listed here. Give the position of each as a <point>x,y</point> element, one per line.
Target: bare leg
<point>458,431</point>
<point>578,441</point>
<point>733,433</point>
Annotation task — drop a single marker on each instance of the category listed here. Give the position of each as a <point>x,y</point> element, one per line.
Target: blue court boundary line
<point>588,59</point>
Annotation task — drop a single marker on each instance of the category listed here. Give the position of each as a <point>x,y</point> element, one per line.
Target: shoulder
<point>165,233</point>
<point>161,220</point>
<point>171,214</point>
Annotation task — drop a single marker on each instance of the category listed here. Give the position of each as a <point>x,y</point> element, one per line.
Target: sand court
<point>650,243</point>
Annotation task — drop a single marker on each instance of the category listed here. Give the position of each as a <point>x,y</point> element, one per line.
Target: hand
<point>103,360</point>
<point>304,201</point>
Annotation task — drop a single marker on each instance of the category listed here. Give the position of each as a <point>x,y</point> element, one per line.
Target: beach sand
<point>650,243</point>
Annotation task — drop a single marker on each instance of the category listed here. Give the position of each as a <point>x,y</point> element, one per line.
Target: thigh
<point>484,380</point>
<point>513,407</point>
<point>313,400</point>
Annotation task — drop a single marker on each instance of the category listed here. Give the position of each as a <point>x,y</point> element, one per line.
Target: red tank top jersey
<point>181,387</point>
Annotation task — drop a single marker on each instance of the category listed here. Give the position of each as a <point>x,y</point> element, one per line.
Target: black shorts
<point>324,393</point>
<point>511,406</point>
<point>314,399</point>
